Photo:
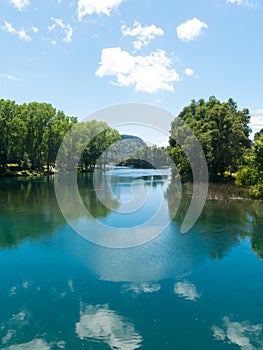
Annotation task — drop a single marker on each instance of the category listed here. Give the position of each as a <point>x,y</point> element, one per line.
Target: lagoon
<point>199,290</point>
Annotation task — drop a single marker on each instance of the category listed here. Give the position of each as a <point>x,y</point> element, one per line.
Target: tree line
<point>31,135</point>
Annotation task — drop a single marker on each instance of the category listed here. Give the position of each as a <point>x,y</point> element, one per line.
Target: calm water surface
<point>201,290</point>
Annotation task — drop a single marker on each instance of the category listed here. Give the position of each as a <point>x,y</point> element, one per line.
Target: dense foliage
<point>31,135</point>
<point>221,129</point>
<point>86,145</point>
<point>252,172</point>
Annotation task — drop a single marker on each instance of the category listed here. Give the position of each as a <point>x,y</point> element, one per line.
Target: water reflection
<point>245,335</point>
<point>224,220</point>
<point>28,210</point>
<point>186,290</point>
<point>161,298</point>
<point>94,199</point>
<point>99,323</point>
<point>36,344</point>
<point>139,288</point>
<point>137,220</point>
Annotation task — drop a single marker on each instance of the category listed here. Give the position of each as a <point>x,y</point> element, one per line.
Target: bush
<point>247,176</point>
<point>256,191</point>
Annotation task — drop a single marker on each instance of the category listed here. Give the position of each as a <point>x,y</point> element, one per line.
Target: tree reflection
<point>28,210</point>
<point>225,219</point>
<point>89,187</point>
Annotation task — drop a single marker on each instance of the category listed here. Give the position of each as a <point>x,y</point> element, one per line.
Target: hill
<point>124,148</point>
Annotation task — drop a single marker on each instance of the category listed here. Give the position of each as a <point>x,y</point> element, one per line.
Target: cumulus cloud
<point>241,2</point>
<point>88,7</point>
<point>66,28</point>
<point>20,4</point>
<point>142,34</point>
<point>99,323</point>
<point>190,29</point>
<point>189,72</point>
<point>9,77</point>
<point>186,290</point>
<point>242,334</point>
<point>21,33</point>
<point>148,73</point>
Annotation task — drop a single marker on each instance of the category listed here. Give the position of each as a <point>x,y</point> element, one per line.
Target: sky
<point>84,55</point>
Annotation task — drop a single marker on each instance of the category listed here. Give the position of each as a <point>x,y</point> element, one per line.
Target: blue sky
<point>83,55</point>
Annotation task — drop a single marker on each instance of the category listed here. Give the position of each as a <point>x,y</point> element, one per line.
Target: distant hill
<point>125,148</point>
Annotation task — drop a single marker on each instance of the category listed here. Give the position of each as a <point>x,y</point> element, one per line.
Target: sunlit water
<point>201,290</point>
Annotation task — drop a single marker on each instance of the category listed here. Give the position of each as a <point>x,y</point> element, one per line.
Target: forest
<point>31,135</point>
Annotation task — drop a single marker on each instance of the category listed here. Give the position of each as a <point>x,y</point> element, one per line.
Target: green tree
<point>222,131</point>
<point>7,112</point>
<point>251,174</point>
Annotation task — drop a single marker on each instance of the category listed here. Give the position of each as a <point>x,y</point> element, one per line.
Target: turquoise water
<point>201,290</point>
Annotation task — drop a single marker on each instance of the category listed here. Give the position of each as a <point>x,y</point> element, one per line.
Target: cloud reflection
<point>142,287</point>
<point>36,344</point>
<point>243,334</point>
<point>186,290</point>
<point>99,323</point>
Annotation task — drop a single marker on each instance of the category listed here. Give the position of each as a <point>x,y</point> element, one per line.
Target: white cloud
<point>241,2</point>
<point>256,124</point>
<point>35,30</point>
<point>258,111</point>
<point>190,29</point>
<point>20,4</point>
<point>66,28</point>
<point>186,290</point>
<point>143,287</point>
<point>143,34</point>
<point>88,7</point>
<point>99,323</point>
<point>189,72</point>
<point>8,76</point>
<point>242,334</point>
<point>21,33</point>
<point>148,73</point>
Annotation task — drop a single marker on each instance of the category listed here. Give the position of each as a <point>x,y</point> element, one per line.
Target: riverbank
<point>9,172</point>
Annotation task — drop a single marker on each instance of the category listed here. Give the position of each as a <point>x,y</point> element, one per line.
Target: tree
<point>7,112</point>
<point>222,131</point>
<point>251,174</point>
<point>30,134</point>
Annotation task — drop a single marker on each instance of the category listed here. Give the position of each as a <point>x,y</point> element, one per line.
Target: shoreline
<point>217,191</point>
